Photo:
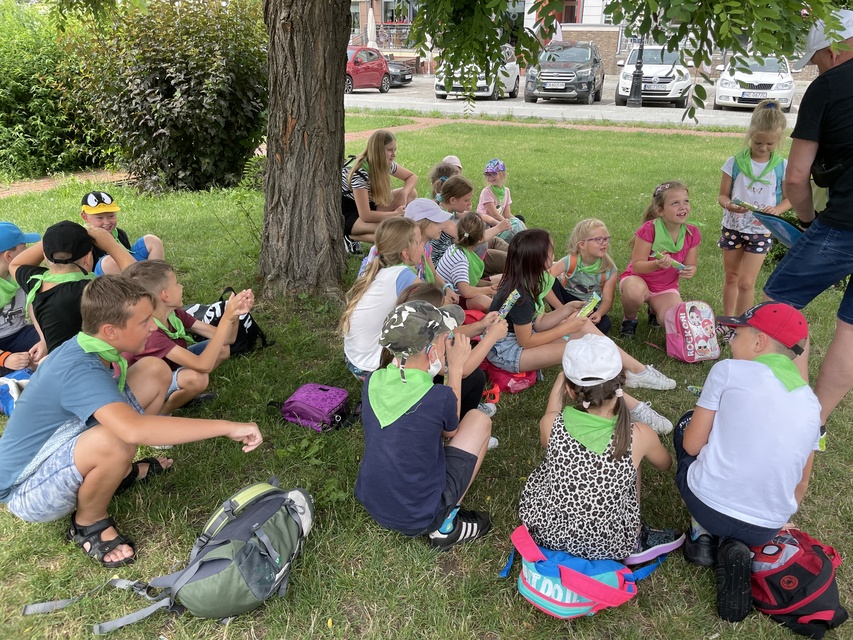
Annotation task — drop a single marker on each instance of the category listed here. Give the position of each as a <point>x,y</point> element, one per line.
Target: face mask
<point>434,368</point>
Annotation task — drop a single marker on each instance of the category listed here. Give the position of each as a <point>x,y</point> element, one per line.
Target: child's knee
<point>193,381</point>
<point>154,246</point>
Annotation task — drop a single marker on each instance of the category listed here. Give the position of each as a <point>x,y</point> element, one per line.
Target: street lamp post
<point>635,98</point>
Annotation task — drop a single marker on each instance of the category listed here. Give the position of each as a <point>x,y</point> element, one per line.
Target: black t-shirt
<point>522,312</point>
<point>826,117</point>
<point>98,253</point>
<point>57,310</point>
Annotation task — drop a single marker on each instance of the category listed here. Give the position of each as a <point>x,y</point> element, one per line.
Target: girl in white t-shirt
<point>755,175</point>
<point>399,249</point>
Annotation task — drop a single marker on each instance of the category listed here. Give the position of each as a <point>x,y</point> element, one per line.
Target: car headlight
<point>681,74</point>
<point>533,72</point>
<point>481,77</point>
<point>584,73</point>
<point>728,84</point>
<point>784,86</point>
<point>626,75</point>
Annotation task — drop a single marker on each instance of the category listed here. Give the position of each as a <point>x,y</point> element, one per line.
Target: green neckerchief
<point>179,333</point>
<point>663,241</point>
<point>593,432</point>
<point>390,397</point>
<point>91,344</point>
<point>500,193</point>
<point>8,289</point>
<point>547,283</point>
<point>743,159</point>
<point>784,369</point>
<point>114,233</point>
<point>595,267</point>
<point>56,278</point>
<point>476,266</point>
<point>428,274</point>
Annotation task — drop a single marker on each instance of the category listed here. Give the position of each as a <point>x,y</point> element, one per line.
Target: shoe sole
<point>654,552</point>
<point>637,384</point>
<point>734,592</point>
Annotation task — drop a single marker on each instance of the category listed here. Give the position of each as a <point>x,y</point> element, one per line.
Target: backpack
<point>248,331</point>
<point>793,581</point>
<point>779,170</point>
<point>686,340</point>
<point>242,558</point>
<point>506,381</point>
<point>565,586</point>
<point>573,266</point>
<point>319,407</point>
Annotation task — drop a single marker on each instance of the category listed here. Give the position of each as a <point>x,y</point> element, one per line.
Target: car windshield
<point>350,54</point>
<point>655,56</point>
<point>565,54</point>
<point>770,65</point>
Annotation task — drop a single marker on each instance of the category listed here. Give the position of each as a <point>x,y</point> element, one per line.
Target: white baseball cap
<point>456,162</point>
<point>591,360</point>
<point>426,209</point>
<point>818,38</point>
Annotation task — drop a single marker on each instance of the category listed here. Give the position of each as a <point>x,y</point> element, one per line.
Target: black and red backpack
<point>793,581</point>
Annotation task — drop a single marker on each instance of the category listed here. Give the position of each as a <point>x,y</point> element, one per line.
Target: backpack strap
<point>779,170</point>
<point>130,618</point>
<point>573,266</point>
<point>55,605</point>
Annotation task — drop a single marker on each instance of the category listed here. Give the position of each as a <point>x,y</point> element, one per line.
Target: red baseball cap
<point>780,321</point>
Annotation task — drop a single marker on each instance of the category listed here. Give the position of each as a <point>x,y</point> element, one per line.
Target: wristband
<point>806,225</point>
<point>446,286</point>
<point>3,357</point>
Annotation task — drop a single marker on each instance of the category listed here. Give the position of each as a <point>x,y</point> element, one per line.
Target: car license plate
<point>555,85</point>
<point>408,76</point>
<point>755,94</point>
<point>655,87</point>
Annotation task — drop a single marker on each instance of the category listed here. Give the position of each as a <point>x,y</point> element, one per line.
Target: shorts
<point>196,348</point>
<point>139,252</point>
<point>51,492</point>
<point>22,340</point>
<point>749,242</point>
<point>349,210</point>
<point>460,467</point>
<point>506,354</point>
<point>820,258</point>
<point>360,374</point>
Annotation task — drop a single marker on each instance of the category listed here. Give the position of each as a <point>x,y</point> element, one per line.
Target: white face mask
<point>434,368</point>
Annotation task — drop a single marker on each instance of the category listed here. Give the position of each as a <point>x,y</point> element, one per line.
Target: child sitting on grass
<point>463,268</point>
<point>495,202</point>
<point>190,362</point>
<point>21,345</point>
<point>410,480</point>
<point>745,452</point>
<point>99,211</point>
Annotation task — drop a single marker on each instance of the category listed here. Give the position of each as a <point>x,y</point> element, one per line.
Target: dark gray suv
<point>566,71</point>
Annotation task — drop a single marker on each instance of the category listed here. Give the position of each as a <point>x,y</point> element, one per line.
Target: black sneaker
<point>352,246</point>
<point>653,320</point>
<point>629,328</point>
<point>469,525</point>
<point>701,551</point>
<point>734,568</point>
<point>199,400</point>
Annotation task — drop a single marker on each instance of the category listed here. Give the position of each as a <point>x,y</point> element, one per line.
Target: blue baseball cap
<point>11,236</point>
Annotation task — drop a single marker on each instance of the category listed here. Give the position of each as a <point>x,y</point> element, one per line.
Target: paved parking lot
<point>419,96</point>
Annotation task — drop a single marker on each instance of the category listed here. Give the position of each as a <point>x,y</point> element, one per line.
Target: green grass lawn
<point>356,580</point>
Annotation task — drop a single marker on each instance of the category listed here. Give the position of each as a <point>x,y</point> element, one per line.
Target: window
<point>570,12</point>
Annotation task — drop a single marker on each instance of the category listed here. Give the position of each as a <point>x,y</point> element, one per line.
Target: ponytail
<point>585,397</point>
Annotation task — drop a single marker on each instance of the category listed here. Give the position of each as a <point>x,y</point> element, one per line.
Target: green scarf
<point>56,278</point>
<point>428,274</point>
<point>500,194</point>
<point>179,333</point>
<point>476,266</point>
<point>547,283</point>
<point>663,241</point>
<point>593,432</point>
<point>784,369</point>
<point>390,397</point>
<point>8,289</point>
<point>595,267</point>
<point>743,159</point>
<point>91,344</point>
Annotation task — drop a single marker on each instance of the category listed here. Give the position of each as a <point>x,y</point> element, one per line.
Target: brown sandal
<point>91,534</point>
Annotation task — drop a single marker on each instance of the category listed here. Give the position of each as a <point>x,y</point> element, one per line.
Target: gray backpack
<point>242,557</point>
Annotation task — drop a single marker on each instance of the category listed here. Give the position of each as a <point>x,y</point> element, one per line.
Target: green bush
<point>181,87</point>
<point>40,129</point>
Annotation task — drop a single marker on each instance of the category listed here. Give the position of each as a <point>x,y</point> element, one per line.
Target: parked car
<point>401,73</point>
<point>506,84</point>
<point>665,79</point>
<point>566,70</point>
<point>366,69</point>
<point>769,79</point>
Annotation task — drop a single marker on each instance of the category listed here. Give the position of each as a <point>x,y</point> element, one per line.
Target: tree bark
<point>302,246</point>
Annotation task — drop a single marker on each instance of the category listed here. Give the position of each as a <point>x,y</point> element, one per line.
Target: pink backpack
<point>690,332</point>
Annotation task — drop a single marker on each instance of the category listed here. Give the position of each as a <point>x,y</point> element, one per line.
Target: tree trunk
<point>302,247</point>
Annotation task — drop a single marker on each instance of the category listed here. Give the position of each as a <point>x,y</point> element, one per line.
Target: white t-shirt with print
<point>759,194</point>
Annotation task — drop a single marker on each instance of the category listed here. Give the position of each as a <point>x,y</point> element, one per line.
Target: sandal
<point>154,469</point>
<point>98,548</point>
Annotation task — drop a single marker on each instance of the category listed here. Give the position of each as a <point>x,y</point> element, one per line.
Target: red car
<point>366,69</point>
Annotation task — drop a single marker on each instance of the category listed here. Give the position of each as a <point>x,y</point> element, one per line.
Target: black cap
<point>66,237</point>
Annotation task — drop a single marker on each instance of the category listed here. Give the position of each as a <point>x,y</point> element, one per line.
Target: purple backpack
<point>319,407</point>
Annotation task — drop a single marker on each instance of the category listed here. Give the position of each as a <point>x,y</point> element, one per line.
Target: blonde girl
<point>367,197</point>
<point>495,202</point>
<point>593,458</point>
<point>654,280</point>
<point>588,269</point>
<point>399,249</point>
<point>755,175</point>
<point>464,269</point>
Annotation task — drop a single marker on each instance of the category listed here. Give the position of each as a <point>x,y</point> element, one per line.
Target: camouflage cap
<point>412,326</point>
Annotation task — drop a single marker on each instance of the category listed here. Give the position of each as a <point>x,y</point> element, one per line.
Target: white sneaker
<point>651,378</point>
<point>493,443</point>
<point>489,408</point>
<point>643,412</point>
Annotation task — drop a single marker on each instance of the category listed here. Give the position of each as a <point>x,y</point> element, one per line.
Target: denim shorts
<point>360,374</point>
<point>51,492</point>
<point>139,252</point>
<point>506,354</point>
<point>820,258</point>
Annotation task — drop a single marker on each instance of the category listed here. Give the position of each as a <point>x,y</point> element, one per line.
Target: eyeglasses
<point>600,240</point>
<point>489,174</point>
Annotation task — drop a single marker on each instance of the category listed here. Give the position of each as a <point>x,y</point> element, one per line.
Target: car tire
<point>441,96</point>
<point>496,92</point>
<point>530,99</point>
<point>589,98</point>
<point>599,90</point>
<point>717,106</point>
<point>681,103</point>
<point>788,110</point>
<point>385,85</point>
<point>620,100</point>
<point>348,85</point>
<point>514,92</point>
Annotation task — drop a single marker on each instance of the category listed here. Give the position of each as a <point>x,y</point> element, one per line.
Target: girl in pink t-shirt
<point>665,250</point>
<point>495,201</point>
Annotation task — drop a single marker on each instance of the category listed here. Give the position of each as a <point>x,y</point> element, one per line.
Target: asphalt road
<point>419,96</point>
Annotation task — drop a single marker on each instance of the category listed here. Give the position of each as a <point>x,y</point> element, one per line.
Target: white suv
<point>768,79</point>
<point>665,79</point>
<point>506,84</point>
